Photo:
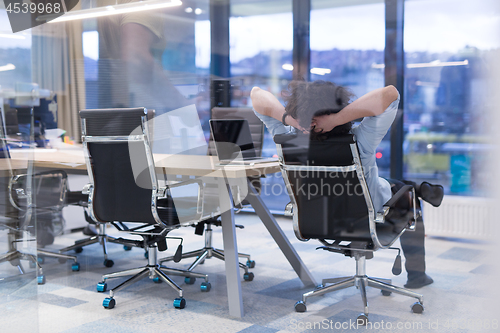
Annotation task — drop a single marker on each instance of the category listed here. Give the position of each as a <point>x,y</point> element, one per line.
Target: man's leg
<point>412,243</point>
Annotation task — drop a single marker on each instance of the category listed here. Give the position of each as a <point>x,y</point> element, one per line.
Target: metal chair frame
<point>153,269</point>
<point>360,280</point>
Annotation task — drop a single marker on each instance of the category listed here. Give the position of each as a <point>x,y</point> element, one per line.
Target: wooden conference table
<point>73,161</point>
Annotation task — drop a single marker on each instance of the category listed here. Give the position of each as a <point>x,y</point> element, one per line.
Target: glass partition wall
<point>20,271</point>
<point>161,60</point>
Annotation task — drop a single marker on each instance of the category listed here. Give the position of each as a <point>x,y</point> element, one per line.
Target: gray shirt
<point>369,133</point>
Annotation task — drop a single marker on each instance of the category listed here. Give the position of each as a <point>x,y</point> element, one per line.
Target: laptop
<point>232,136</point>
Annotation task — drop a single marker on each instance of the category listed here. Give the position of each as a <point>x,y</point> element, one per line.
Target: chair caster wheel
<point>300,306</point>
<point>362,320</point>
<point>206,286</point>
<point>248,276</point>
<point>386,293</point>
<point>75,267</point>
<point>40,279</point>
<point>146,255</point>
<point>157,279</point>
<point>109,303</point>
<point>417,307</point>
<point>40,260</point>
<point>108,263</point>
<point>179,303</point>
<point>127,248</point>
<point>102,287</point>
<point>250,263</point>
<point>79,250</point>
<point>189,280</point>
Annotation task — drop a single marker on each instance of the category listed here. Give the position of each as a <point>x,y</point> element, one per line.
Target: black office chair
<point>38,203</point>
<point>124,190</point>
<point>331,203</point>
<point>208,251</point>
<point>78,198</point>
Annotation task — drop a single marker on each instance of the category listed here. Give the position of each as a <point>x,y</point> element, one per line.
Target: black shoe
<point>419,282</point>
<point>432,194</point>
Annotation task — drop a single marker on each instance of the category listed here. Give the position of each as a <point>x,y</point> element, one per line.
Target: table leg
<point>279,237</point>
<point>233,281</point>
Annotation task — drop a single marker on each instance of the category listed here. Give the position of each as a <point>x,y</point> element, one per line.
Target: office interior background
<point>440,54</point>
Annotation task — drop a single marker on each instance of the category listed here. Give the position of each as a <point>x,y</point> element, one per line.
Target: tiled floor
<point>460,300</point>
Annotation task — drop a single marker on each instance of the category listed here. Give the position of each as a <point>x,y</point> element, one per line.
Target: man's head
<point>306,100</point>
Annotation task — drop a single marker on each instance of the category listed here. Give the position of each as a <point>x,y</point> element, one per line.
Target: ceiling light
<point>110,10</point>
<point>198,11</point>
<point>437,63</point>
<point>4,35</point>
<point>320,71</point>
<point>188,10</point>
<point>287,67</point>
<point>7,67</point>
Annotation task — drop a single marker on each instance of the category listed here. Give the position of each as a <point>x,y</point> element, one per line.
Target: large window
<point>448,52</point>
<point>261,42</point>
<point>15,54</point>
<point>347,48</point>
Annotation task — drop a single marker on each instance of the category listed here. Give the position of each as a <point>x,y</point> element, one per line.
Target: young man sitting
<point>323,109</point>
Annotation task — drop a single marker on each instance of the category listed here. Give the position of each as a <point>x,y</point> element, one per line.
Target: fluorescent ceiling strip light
<point>4,35</point>
<point>7,67</point>
<point>435,63</point>
<point>438,63</point>
<point>131,7</point>
<point>287,67</point>
<point>320,71</point>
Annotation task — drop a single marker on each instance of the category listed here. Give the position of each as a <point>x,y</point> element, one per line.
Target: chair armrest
<point>395,198</point>
<point>380,217</point>
<point>161,192</point>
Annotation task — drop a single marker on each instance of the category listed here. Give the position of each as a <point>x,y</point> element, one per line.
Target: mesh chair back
<point>119,193</point>
<point>330,200</point>
<point>256,126</point>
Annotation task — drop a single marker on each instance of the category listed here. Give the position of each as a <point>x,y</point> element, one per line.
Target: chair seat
<point>174,211</point>
<point>395,221</point>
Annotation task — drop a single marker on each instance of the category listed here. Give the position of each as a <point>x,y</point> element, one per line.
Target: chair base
<point>208,252</point>
<point>360,281</point>
<point>14,257</point>
<point>154,271</point>
<point>102,239</point>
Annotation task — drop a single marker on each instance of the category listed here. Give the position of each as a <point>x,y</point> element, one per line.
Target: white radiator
<point>461,217</point>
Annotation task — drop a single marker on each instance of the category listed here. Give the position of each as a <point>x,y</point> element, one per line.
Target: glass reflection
<point>446,87</point>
